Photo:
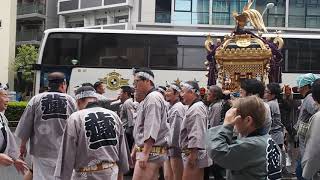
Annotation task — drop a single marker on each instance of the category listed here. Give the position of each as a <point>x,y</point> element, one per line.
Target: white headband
<point>3,87</point>
<point>145,75</point>
<point>85,94</point>
<point>161,90</point>
<point>175,87</point>
<point>190,87</point>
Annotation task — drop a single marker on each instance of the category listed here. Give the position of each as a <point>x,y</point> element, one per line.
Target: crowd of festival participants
<point>170,132</point>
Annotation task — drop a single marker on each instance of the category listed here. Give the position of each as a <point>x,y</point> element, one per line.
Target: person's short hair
<point>315,89</point>
<point>55,80</point>
<point>87,84</point>
<point>253,86</point>
<point>275,89</point>
<point>217,91</point>
<point>192,85</point>
<point>251,106</point>
<point>144,74</point>
<point>97,84</point>
<point>128,90</point>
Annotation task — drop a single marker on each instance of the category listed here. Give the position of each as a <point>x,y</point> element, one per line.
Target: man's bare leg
<point>177,168</point>
<point>150,172</point>
<point>167,170</point>
<point>28,176</point>
<point>191,173</point>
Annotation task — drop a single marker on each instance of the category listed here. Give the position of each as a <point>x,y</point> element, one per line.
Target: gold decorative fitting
<point>208,43</point>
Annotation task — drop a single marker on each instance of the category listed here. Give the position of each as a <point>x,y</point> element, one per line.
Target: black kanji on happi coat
<point>54,106</point>
<point>273,161</point>
<point>100,129</point>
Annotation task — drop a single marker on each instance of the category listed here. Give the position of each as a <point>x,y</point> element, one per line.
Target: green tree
<point>26,56</point>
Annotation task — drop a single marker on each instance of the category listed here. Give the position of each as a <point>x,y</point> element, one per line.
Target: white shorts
<point>43,168</point>
<point>203,159</point>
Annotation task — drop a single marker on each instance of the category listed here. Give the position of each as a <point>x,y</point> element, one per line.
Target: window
<point>114,50</point>
<point>191,52</point>
<point>163,11</point>
<point>274,17</point>
<point>61,48</point>
<point>304,13</point>
<point>192,58</point>
<point>121,19</point>
<point>101,21</point>
<point>183,5</point>
<point>75,24</point>
<point>163,51</point>
<point>302,55</point>
<point>191,12</point>
<point>222,11</point>
<point>125,51</point>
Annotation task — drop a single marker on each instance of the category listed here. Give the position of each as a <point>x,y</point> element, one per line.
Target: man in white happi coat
<point>93,144</point>
<point>192,133</point>
<point>151,130</point>
<point>126,112</point>
<point>173,167</point>
<point>42,123</point>
<point>8,148</point>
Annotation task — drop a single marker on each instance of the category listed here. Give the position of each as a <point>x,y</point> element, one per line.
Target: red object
<point>202,91</point>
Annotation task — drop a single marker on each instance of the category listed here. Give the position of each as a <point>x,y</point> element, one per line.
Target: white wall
<point>8,14</point>
<point>148,9</point>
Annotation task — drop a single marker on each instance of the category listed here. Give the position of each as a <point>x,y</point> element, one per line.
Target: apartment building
<point>105,14</point>
<point>33,17</point>
<point>292,15</point>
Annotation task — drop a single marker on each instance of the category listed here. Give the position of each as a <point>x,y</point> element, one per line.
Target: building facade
<point>33,17</point>
<point>97,14</point>
<point>289,15</point>
<point>299,15</point>
<point>8,37</point>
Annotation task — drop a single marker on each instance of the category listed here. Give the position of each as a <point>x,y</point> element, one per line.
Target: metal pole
<point>287,13</point>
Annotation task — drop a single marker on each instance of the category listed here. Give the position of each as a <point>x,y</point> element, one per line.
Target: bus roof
<point>180,33</point>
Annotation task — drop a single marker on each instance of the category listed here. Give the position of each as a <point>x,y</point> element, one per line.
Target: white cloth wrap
<point>85,94</point>
<point>145,75</point>
<point>190,87</point>
<point>175,87</point>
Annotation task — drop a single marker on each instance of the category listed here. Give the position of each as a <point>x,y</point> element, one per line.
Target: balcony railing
<point>29,35</point>
<point>29,8</point>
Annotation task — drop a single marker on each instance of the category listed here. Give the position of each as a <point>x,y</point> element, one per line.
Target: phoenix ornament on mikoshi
<point>243,54</point>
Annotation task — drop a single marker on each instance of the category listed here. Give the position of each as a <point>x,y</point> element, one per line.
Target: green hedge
<point>14,112</point>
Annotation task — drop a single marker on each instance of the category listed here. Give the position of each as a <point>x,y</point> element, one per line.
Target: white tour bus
<point>90,55</point>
